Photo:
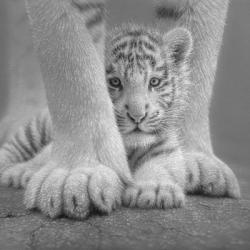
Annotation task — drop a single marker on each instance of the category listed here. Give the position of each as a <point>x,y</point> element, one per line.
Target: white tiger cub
<point>148,80</point>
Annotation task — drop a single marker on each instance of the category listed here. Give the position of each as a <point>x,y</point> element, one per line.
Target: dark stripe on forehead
<point>137,33</point>
<point>140,66</point>
<point>128,68</point>
<point>142,57</point>
<point>139,62</point>
<point>148,46</point>
<point>153,39</point>
<point>133,44</point>
<point>131,57</point>
<point>145,50</point>
<point>119,47</point>
<point>121,56</point>
<point>151,59</point>
<point>134,59</point>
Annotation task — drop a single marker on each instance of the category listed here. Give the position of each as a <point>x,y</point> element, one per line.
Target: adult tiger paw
<point>59,191</point>
<point>208,175</point>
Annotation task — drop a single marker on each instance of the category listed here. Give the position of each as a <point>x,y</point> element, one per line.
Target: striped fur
<point>27,142</point>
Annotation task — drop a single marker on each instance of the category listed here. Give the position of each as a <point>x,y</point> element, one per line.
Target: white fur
<point>155,185</point>
<point>206,20</point>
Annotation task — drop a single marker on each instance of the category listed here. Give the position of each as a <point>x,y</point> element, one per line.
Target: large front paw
<point>208,175</point>
<point>58,191</point>
<point>154,195</point>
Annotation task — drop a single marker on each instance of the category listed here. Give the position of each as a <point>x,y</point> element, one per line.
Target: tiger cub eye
<point>154,82</point>
<point>115,82</point>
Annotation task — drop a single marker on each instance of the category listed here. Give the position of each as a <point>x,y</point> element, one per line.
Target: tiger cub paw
<point>154,195</point>
<point>212,176</point>
<point>60,191</point>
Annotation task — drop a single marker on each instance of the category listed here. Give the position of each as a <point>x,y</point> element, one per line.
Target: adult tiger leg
<point>88,165</point>
<point>205,19</point>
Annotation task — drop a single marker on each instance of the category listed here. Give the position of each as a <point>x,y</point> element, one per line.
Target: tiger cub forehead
<point>136,46</point>
<point>133,31</point>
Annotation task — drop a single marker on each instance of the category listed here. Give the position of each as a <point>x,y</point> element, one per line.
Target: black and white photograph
<point>124,124</point>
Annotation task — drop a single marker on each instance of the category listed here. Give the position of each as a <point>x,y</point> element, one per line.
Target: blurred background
<point>22,93</point>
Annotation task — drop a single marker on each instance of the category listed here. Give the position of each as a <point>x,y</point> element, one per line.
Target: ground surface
<point>205,223</point>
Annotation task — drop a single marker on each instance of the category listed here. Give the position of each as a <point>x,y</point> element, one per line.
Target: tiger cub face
<point>147,77</point>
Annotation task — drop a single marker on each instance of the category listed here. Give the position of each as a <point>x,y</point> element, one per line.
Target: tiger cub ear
<point>179,45</point>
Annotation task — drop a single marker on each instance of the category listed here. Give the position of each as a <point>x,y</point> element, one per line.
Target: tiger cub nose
<point>137,117</point>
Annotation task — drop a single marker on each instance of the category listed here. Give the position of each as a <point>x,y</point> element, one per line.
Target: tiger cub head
<point>147,76</point>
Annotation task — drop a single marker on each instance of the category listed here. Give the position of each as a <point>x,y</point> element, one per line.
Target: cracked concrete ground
<point>205,223</point>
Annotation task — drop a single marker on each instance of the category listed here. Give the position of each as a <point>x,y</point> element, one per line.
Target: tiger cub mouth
<point>137,130</point>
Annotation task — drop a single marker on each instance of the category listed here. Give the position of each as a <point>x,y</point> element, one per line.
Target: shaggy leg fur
<point>88,161</point>
<point>208,175</point>
<point>205,19</point>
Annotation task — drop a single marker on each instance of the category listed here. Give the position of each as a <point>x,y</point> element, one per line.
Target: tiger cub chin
<point>148,79</point>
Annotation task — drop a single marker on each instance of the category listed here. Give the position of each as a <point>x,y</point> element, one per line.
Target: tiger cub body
<point>148,79</point>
